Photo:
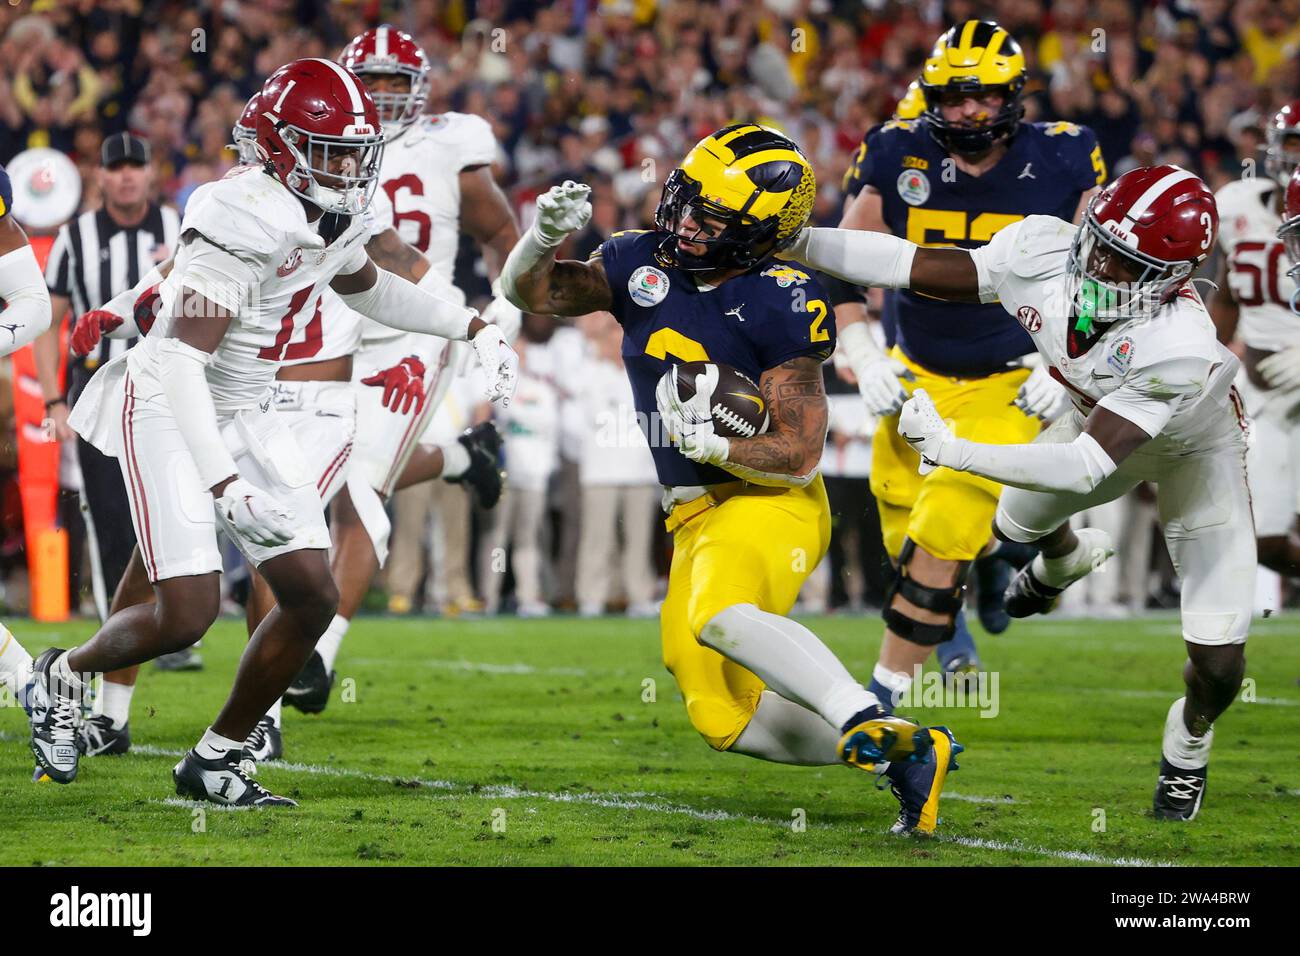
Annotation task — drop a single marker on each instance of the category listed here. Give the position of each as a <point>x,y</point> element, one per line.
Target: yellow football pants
<point>948,513</point>
<point>739,544</point>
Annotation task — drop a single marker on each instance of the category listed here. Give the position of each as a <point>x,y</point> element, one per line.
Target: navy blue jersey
<point>6,193</point>
<point>927,199</point>
<point>753,322</point>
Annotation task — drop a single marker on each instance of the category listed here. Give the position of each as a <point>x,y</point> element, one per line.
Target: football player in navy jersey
<point>749,516</point>
<point>25,301</point>
<point>967,167</point>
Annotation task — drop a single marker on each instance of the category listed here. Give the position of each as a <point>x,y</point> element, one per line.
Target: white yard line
<point>639,802</point>
<point>474,666</point>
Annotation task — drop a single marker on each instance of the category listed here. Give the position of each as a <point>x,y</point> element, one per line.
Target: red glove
<point>90,328</point>
<point>403,385</point>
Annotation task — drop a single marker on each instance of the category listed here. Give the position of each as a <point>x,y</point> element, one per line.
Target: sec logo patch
<point>913,186</point>
<point>647,286</point>
<point>1029,318</point>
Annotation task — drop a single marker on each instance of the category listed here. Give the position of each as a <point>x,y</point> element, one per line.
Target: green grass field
<point>529,743</point>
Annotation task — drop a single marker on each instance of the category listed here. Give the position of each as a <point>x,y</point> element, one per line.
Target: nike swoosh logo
<point>1097,377</point>
<point>748,398</point>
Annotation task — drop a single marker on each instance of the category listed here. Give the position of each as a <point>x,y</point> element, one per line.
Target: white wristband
<point>859,347</point>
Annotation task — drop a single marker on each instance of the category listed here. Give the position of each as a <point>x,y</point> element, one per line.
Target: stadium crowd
<point>613,92</point>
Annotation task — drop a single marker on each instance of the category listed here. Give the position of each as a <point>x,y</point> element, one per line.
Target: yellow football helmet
<point>912,104</point>
<point>754,181</point>
<point>975,58</point>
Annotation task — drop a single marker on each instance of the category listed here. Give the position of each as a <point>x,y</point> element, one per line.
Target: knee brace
<point>946,600</point>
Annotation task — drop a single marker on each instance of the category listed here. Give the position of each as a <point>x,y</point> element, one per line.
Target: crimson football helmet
<point>1278,163</point>
<point>388,51</point>
<point>319,131</point>
<point>1141,239</point>
<point>1289,233</point>
<point>245,132</point>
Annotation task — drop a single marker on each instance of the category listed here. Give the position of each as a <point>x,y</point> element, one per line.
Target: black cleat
<point>992,577</point>
<point>1026,595</point>
<point>98,737</point>
<point>225,781</point>
<point>484,475</point>
<point>187,659</point>
<point>55,712</point>
<point>264,743</point>
<point>1179,792</point>
<point>310,690</point>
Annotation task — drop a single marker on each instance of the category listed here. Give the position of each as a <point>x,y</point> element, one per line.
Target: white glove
<point>561,210</point>
<point>921,427</point>
<point>1282,369</point>
<point>881,387</point>
<point>690,423</point>
<point>256,515</point>
<point>500,364</point>
<point>1042,396</point>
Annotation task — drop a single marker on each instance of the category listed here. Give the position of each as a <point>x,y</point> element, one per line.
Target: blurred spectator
<point>531,429</point>
<point>620,495</point>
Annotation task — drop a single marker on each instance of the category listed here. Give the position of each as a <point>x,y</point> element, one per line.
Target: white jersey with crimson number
<point>1257,264</point>
<point>1169,375</point>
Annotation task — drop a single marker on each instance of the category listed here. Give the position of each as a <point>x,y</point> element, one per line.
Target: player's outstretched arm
<point>399,304</point>
<point>26,297</point>
<point>534,281</point>
<point>1078,466</point>
<point>879,259</point>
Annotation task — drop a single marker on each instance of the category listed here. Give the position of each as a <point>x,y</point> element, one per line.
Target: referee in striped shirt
<point>96,256</point>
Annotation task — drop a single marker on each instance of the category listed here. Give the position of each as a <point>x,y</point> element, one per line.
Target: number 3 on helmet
<point>1157,224</point>
<point>319,131</point>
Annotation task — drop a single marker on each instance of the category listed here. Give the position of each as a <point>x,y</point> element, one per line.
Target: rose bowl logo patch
<point>1121,355</point>
<point>647,286</point>
<point>913,186</point>
<point>1029,318</point>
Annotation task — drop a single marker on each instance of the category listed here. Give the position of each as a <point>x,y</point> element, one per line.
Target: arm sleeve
<point>1077,467</point>
<point>185,384</point>
<point>122,305</point>
<point>863,258</point>
<point>27,301</point>
<point>399,304</point>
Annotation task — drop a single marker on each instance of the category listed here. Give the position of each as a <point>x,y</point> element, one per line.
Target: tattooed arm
<point>388,251</point>
<point>564,287</point>
<point>789,451</point>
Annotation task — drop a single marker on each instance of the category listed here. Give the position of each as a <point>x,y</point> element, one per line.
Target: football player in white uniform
<point>1110,309</point>
<point>189,413</point>
<point>25,316</point>
<point>1253,303</point>
<point>437,172</point>
<point>315,397</point>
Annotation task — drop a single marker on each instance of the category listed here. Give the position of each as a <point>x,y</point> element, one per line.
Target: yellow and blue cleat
<point>917,783</point>
<point>880,738</point>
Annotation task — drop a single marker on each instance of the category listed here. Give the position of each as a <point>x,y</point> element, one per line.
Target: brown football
<point>739,410</point>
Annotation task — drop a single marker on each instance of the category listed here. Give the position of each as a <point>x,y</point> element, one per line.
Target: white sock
<point>70,682</point>
<point>790,659</point>
<point>213,746</point>
<point>274,712</point>
<point>15,662</point>
<point>116,702</point>
<point>1094,547</point>
<point>784,732</point>
<point>1180,748</point>
<point>328,645</point>
<point>898,682</point>
<point>455,460</point>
